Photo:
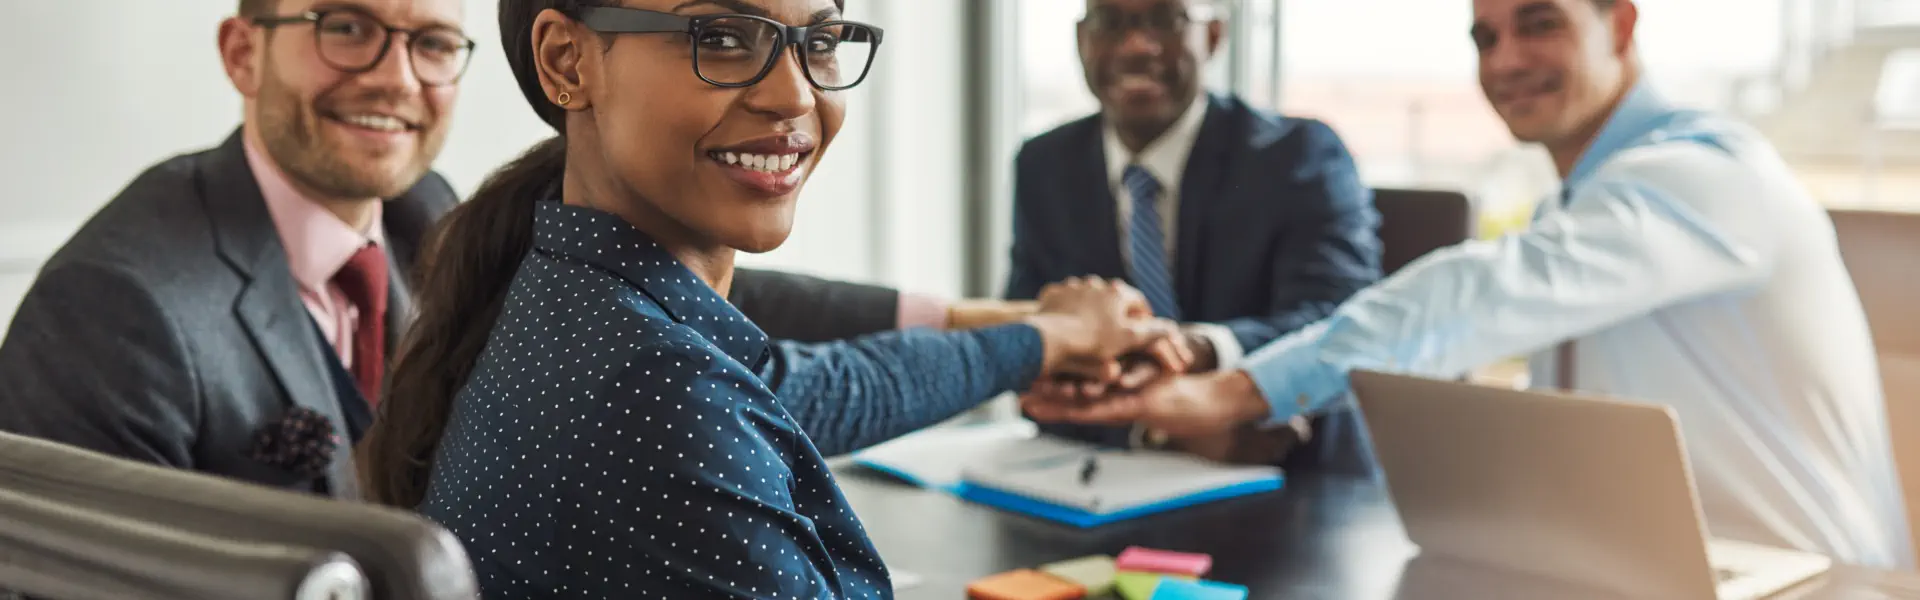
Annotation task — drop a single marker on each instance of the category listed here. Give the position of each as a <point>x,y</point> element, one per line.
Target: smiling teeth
<point>376,122</point>
<point>765,163</point>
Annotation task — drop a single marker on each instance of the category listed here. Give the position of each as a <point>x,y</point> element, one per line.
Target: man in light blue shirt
<point>1681,264</point>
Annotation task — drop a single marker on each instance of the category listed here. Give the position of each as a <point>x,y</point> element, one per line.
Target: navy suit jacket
<point>1275,228</point>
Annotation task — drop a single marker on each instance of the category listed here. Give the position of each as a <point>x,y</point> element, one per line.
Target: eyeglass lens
<point>354,41</point>
<point>738,50</point>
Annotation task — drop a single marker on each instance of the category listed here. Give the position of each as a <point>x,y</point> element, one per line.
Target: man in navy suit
<point>1244,225</point>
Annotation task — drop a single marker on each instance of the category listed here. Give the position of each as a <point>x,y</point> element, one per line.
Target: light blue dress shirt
<point>1689,268</point>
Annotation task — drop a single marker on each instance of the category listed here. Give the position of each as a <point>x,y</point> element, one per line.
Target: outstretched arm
<point>1665,228</point>
<point>852,394</point>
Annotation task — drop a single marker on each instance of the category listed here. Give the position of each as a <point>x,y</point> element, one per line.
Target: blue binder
<point>1010,467</point>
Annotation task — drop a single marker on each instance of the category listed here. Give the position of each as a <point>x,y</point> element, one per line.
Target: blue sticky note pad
<point>1177,589</point>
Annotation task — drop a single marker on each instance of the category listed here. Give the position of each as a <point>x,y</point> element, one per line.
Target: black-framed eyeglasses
<point>1163,20</point>
<point>354,41</point>
<point>736,51</point>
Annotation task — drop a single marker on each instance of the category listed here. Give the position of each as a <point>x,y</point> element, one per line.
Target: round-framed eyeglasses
<point>353,41</point>
<point>734,50</point>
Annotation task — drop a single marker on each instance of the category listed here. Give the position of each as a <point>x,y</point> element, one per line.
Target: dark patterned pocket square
<point>301,442</point>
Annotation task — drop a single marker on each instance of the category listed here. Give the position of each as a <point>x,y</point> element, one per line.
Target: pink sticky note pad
<point>1148,560</point>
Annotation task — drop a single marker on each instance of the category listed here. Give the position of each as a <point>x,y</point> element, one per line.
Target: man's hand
<point>1090,324</point>
<point>1205,357</point>
<point>1137,371</point>
<point>1186,406</point>
<point>976,314</point>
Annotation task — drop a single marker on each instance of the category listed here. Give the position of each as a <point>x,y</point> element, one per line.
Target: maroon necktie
<point>364,280</point>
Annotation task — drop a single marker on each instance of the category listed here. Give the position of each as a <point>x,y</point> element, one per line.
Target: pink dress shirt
<point>318,244</point>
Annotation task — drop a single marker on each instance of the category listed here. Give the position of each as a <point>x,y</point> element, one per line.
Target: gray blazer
<point>803,308</point>
<point>169,329</point>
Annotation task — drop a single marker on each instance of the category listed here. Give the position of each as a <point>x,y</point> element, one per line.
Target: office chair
<point>1415,222</point>
<point>1412,223</point>
<point>80,506</point>
<point>1879,248</point>
<point>52,550</point>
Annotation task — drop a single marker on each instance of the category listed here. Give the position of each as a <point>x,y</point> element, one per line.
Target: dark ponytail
<point>460,284</point>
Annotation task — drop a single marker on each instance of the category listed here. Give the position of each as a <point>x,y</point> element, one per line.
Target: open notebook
<point>1011,467</point>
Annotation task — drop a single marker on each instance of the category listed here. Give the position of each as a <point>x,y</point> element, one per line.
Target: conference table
<point>1321,537</point>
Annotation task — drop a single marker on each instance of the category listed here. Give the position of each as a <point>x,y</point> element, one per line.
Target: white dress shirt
<point>1691,269</point>
<point>1166,159</point>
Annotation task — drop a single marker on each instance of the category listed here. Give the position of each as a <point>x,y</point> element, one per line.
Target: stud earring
<point>563,99</point>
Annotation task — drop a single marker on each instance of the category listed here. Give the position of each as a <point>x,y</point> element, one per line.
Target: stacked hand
<point>1096,329</point>
<point>1120,366</point>
<point>1187,407</point>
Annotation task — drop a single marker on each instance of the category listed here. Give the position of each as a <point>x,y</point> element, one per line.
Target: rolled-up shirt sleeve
<point>1662,226</point>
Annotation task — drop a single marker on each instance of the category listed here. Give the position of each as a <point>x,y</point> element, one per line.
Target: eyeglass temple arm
<point>611,19</point>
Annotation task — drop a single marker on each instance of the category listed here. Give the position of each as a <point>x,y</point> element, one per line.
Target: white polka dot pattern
<point>614,442</point>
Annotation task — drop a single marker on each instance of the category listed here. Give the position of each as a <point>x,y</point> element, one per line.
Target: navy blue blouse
<point>615,441</point>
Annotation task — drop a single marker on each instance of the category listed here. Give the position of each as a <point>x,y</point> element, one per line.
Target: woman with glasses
<point>577,401</point>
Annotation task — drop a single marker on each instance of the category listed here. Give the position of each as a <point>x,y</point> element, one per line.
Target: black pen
<point>1087,469</point>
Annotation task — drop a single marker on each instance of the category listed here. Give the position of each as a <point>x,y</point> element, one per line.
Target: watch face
<point>1141,437</point>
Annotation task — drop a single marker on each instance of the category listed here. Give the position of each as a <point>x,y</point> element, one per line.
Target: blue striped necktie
<point>1146,245</point>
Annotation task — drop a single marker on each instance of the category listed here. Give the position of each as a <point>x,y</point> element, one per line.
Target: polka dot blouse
<point>613,441</point>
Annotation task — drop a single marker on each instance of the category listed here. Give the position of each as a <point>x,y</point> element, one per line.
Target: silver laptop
<point>1586,490</point>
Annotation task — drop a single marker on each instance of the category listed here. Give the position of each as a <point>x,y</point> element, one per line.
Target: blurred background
<point>915,190</point>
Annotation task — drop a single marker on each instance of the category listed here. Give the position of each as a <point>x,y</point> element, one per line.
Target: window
<point>1403,93</point>
<point>1053,89</point>
<point>1827,82</point>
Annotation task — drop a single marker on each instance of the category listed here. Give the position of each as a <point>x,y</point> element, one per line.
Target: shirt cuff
<point>917,310</point>
<point>1293,375</point>
<point>1226,348</point>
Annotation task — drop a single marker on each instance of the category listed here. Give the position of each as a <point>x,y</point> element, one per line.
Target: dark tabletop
<point>1325,537</point>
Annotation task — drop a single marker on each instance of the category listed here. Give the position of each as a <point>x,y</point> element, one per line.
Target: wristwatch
<point>1146,438</point>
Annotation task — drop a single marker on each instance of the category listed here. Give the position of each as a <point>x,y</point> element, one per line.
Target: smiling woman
<point>578,401</point>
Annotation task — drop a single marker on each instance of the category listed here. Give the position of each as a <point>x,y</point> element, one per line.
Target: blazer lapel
<point>1094,213</point>
<point>399,304</point>
<point>1201,188</point>
<point>409,220</point>
<point>269,305</point>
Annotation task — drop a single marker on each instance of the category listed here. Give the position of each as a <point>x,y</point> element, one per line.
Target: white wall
<point>93,103</point>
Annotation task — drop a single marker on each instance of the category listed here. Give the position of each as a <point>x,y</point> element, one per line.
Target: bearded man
<point>230,312</point>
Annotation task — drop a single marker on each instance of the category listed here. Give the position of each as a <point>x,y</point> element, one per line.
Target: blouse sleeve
<point>683,485</point>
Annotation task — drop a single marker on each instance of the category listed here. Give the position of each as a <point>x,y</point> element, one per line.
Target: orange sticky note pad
<point>1024,584</point>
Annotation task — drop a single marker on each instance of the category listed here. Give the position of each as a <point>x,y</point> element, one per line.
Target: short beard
<point>296,147</point>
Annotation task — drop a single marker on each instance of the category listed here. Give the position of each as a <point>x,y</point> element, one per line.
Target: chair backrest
<point>1880,249</point>
<point>403,556</point>
<point>51,550</point>
<point>1415,222</point>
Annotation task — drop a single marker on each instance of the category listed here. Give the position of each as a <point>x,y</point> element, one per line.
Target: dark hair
<point>257,8</point>
<point>461,282</point>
